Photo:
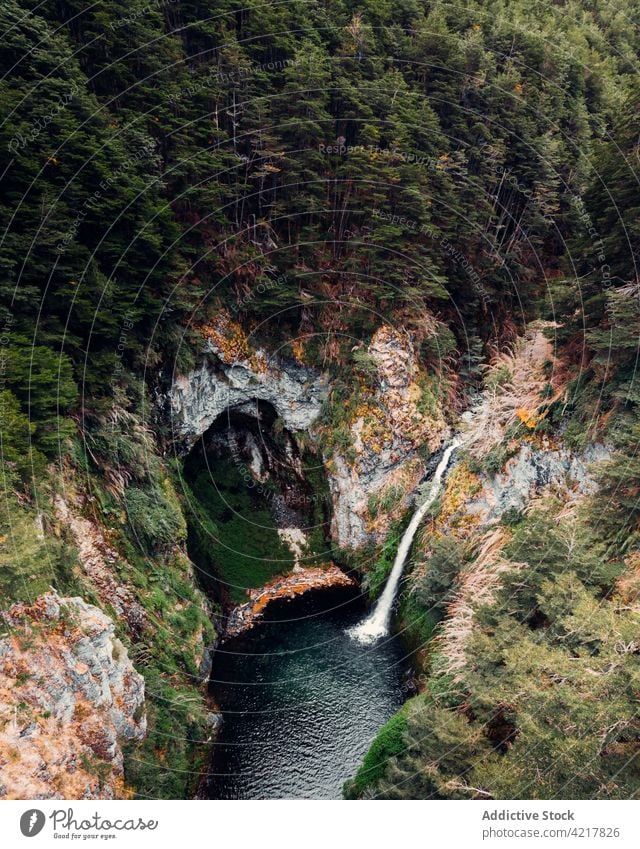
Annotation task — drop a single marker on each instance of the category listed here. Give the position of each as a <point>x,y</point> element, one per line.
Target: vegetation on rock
<point>447,187</point>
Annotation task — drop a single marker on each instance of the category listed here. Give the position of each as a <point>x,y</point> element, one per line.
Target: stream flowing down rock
<point>298,582</point>
<point>70,698</point>
<point>378,622</point>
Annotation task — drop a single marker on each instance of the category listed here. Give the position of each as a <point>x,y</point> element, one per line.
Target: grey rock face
<point>214,721</point>
<point>296,393</point>
<point>530,471</point>
<point>349,505</point>
<point>74,698</point>
<point>198,398</point>
<point>351,488</point>
<point>391,438</point>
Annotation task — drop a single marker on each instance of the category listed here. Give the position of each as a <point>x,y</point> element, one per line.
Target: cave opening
<point>257,502</point>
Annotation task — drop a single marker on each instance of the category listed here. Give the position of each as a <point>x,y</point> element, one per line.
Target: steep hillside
<point>525,609</point>
<point>255,265</point>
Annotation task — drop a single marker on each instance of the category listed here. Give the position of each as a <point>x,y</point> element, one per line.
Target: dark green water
<point>301,701</point>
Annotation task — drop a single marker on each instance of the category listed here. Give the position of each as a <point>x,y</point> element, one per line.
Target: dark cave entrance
<point>249,487</point>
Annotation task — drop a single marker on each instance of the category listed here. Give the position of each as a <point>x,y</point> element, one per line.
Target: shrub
<point>389,741</point>
<point>30,562</point>
<point>434,590</point>
<point>155,518</point>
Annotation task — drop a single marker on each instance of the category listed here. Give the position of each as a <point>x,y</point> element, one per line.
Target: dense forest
<point>309,172</point>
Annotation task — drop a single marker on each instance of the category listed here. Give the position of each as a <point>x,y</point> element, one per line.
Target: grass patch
<point>32,557</point>
<point>232,536</point>
<point>389,741</point>
<point>167,764</point>
<point>417,623</point>
<point>379,572</point>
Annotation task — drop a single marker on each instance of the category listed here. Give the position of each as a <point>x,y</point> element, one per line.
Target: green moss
<point>155,516</point>
<point>169,761</point>
<point>166,763</point>
<point>320,549</point>
<point>429,401</point>
<point>576,435</point>
<point>32,561</point>
<point>382,560</point>
<point>385,500</point>
<point>497,377</point>
<point>388,742</point>
<point>232,535</point>
<point>147,536</point>
<point>416,622</point>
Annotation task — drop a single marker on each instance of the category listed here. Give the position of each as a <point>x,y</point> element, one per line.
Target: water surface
<point>302,701</point>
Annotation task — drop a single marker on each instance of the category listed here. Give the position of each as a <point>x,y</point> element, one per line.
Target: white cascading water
<point>377,623</point>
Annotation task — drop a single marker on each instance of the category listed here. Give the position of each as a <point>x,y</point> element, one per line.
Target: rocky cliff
<point>393,433</point>
<point>507,467</point>
<point>298,582</point>
<point>73,697</point>
<point>233,374</point>
<point>126,611</point>
<point>70,699</point>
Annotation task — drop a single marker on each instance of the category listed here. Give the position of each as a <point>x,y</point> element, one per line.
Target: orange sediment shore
<point>298,582</point>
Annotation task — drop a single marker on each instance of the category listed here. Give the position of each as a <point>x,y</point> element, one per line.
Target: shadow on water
<point>301,701</point>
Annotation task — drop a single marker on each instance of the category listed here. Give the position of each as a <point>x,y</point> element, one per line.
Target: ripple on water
<point>301,701</point>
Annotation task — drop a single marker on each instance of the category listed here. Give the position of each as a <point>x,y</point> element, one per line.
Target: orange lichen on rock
<point>393,417</point>
<point>369,422</point>
<point>298,582</point>
<point>228,339</point>
<point>297,350</point>
<point>462,485</point>
<point>400,393</point>
<point>69,697</point>
<point>528,419</point>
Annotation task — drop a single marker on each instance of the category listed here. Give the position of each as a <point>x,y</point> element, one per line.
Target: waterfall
<point>377,623</point>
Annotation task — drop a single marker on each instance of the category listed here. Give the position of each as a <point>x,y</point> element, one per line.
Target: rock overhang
<point>197,399</point>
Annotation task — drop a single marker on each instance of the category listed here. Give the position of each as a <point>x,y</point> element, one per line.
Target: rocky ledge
<point>70,697</point>
<point>298,582</point>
